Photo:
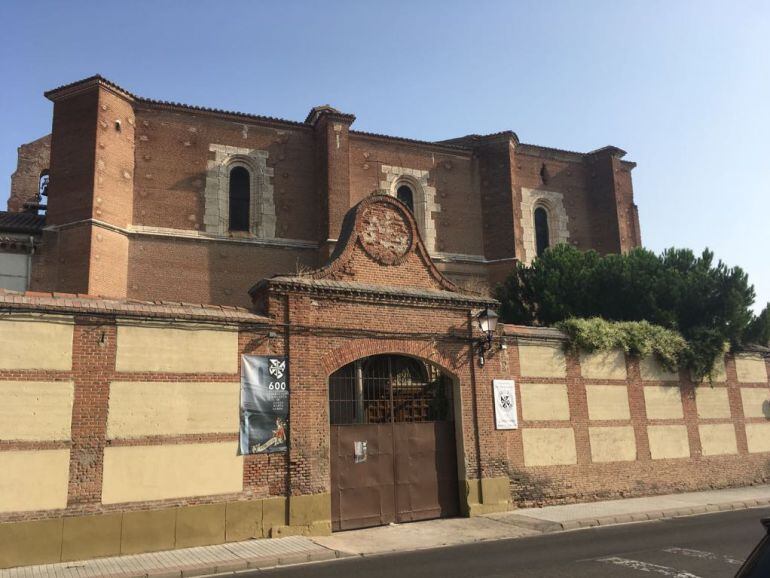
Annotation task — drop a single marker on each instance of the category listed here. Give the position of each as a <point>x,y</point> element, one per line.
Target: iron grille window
<point>389,388</point>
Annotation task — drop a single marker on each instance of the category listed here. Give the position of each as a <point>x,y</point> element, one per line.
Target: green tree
<point>707,302</point>
<point>758,330</point>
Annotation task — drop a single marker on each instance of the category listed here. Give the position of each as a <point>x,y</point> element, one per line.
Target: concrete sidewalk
<point>533,521</point>
<point>255,554</point>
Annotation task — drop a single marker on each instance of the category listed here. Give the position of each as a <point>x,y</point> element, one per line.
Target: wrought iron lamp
<point>487,320</point>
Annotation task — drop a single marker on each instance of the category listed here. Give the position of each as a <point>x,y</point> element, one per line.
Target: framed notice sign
<point>504,391</point>
<point>264,404</point>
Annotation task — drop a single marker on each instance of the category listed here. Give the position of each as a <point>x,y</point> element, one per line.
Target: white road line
<point>703,555</point>
<point>647,567</point>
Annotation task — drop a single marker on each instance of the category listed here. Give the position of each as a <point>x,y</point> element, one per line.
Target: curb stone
<point>647,516</point>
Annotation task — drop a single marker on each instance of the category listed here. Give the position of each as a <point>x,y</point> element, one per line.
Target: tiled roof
<point>461,144</point>
<point>21,222</point>
<point>69,303</point>
<point>166,103</point>
<point>365,289</point>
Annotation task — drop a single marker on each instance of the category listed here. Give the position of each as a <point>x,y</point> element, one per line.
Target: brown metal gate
<point>402,409</point>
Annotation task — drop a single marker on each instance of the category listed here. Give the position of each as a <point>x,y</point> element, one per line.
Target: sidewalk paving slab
<point>198,561</point>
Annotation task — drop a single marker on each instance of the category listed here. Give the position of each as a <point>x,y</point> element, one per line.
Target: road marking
<point>703,555</point>
<point>647,567</point>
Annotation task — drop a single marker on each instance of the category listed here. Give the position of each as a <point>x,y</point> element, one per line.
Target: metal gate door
<point>393,456</point>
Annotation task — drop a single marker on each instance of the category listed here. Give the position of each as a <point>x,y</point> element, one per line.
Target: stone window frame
<point>262,217</point>
<point>423,197</point>
<point>553,204</point>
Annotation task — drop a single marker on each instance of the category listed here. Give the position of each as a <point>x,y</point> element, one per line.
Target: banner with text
<point>264,404</point>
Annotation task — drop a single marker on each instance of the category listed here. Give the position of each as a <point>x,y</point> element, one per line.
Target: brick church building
<point>156,200</point>
<point>166,247</point>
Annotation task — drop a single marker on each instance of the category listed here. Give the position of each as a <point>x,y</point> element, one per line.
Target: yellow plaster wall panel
<point>140,473</point>
<point>756,401</point>
<point>712,402</point>
<point>607,402</point>
<point>603,365</point>
<point>750,369</point>
<point>612,444</point>
<point>663,402</point>
<point>652,370</point>
<point>23,342</point>
<point>668,441</point>
<point>172,349</point>
<point>717,439</point>
<point>542,360</point>
<point>544,401</point>
<point>549,446</point>
<point>140,408</point>
<point>34,480</point>
<point>35,410</point>
<point>758,437</point>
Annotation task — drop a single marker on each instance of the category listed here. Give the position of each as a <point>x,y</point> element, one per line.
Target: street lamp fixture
<point>487,320</point>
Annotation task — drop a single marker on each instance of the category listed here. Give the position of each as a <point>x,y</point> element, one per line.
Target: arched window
<point>542,240</point>
<point>405,195</point>
<point>240,189</point>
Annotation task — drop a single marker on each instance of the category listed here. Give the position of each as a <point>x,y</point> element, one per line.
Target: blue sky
<point>682,86</point>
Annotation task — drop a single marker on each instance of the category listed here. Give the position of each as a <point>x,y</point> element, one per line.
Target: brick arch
<point>342,356</point>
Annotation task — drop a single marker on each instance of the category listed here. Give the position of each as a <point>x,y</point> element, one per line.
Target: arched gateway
<point>381,349</point>
<point>393,451</point>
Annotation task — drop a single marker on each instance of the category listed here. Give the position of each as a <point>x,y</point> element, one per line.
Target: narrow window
<point>239,199</point>
<point>541,230</point>
<point>405,195</point>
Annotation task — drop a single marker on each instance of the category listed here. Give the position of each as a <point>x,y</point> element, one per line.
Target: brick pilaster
<point>94,347</point>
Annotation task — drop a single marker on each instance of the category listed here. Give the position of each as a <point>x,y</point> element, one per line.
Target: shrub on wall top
<point>705,302</point>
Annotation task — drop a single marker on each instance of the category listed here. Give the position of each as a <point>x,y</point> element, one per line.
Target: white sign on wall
<point>504,391</point>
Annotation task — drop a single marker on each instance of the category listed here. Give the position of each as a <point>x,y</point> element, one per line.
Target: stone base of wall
<point>134,532</point>
<point>588,483</point>
<point>485,496</point>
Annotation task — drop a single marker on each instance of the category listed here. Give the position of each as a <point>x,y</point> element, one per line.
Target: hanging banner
<point>505,404</point>
<point>264,404</point>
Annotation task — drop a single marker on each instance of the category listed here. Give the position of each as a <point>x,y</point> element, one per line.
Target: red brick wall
<point>153,174</point>
<point>172,152</point>
<point>452,173</point>
<point>33,159</point>
<point>206,272</point>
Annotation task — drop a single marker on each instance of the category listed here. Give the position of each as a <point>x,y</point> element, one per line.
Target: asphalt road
<point>707,546</point>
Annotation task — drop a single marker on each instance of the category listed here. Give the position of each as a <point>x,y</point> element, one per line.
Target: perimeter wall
<point>118,434</point>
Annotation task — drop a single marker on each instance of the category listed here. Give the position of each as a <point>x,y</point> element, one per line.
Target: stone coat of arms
<point>386,236</point>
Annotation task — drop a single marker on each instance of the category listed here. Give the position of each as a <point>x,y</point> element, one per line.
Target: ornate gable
<point>380,244</point>
<point>379,252</point>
